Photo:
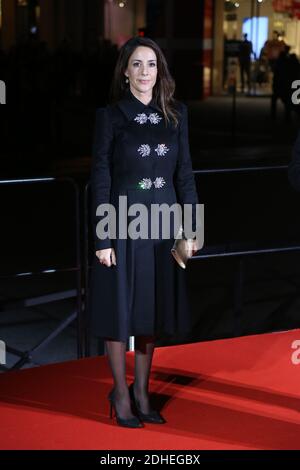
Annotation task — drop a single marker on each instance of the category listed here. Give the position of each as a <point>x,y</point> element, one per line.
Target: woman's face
<point>142,70</point>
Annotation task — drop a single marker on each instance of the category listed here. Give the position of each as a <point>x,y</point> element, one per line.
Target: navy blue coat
<point>136,155</point>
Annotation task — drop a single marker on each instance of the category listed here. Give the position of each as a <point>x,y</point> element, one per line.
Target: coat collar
<point>131,106</point>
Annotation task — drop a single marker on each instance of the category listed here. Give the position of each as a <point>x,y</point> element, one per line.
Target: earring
<point>127,81</point>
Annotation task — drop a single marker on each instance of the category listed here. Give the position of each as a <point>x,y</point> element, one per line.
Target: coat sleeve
<point>294,165</point>
<point>184,180</point>
<point>101,170</point>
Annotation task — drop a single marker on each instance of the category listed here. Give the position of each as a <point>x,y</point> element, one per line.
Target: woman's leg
<point>144,348</point>
<point>116,352</point>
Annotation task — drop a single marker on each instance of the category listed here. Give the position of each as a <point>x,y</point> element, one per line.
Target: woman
<point>141,151</point>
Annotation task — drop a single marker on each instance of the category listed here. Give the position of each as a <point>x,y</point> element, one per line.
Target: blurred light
<point>236,4</point>
<point>119,3</point>
<point>141,32</point>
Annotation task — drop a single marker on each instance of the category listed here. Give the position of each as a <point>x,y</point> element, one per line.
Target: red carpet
<point>239,393</point>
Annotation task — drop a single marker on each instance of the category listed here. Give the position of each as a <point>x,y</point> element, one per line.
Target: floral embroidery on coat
<point>141,118</point>
<point>159,182</point>
<point>146,183</point>
<point>154,118</point>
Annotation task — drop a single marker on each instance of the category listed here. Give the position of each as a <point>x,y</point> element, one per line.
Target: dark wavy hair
<point>164,87</point>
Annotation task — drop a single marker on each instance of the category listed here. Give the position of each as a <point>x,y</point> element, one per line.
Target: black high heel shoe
<point>153,417</point>
<point>129,422</point>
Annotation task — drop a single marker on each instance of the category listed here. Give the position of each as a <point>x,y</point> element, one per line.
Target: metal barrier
<point>44,263</point>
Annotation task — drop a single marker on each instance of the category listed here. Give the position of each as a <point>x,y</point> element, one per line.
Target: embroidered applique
<point>161,149</point>
<point>159,182</point>
<point>144,150</point>
<point>154,118</point>
<point>145,183</point>
<point>141,118</point>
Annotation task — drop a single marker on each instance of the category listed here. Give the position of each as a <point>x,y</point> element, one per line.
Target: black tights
<point>116,352</point>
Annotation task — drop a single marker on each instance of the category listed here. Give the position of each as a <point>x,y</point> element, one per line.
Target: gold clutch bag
<point>182,249</point>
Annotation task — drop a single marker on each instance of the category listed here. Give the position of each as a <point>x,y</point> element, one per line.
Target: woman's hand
<point>107,256</point>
